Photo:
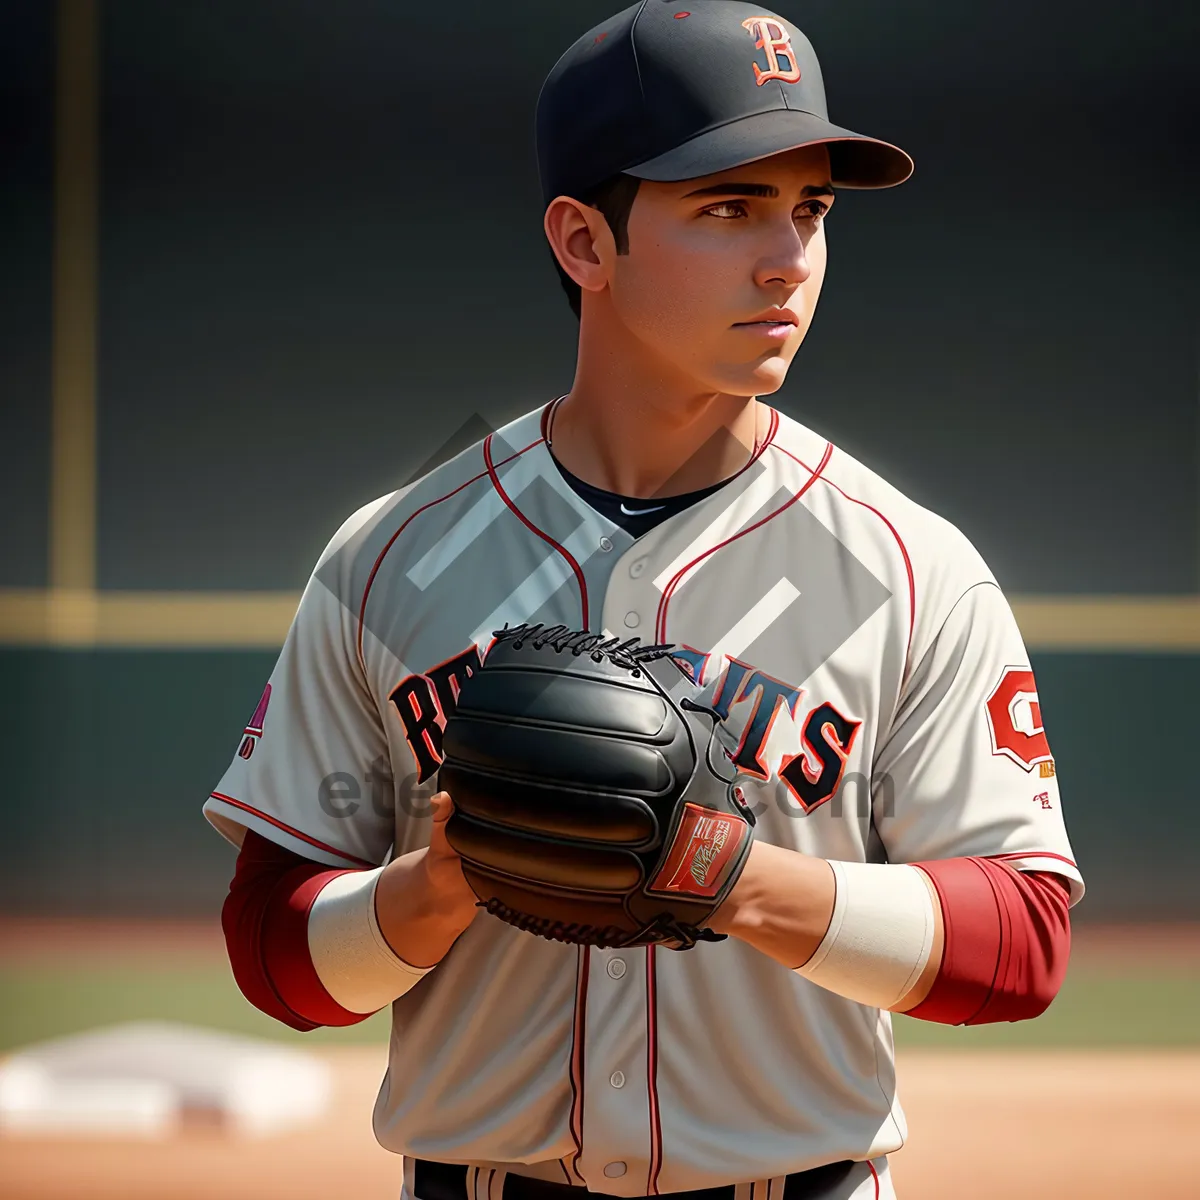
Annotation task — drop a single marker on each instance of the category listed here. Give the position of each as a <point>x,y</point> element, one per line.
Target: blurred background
<point>264,261</point>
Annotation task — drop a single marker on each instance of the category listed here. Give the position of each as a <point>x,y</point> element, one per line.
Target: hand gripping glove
<point>587,804</point>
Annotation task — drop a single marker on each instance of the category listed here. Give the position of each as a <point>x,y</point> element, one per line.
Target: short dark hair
<point>614,199</point>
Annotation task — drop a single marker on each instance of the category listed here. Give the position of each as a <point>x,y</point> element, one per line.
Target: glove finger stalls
<point>583,758</point>
<point>552,810</point>
<point>576,779</point>
<point>542,864</point>
<point>522,693</point>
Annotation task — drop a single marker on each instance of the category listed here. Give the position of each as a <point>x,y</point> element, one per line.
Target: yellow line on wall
<point>260,620</point>
<point>168,620</point>
<point>73,356</point>
<point>1131,623</point>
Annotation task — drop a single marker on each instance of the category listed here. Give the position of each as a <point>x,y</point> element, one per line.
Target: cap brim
<point>855,161</point>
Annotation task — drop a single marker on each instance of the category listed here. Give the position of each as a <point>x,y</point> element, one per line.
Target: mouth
<point>776,324</point>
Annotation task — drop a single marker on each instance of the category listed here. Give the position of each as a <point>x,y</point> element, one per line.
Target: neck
<point>642,429</point>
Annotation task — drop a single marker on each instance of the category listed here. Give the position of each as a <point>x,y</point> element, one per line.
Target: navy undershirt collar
<point>636,515</point>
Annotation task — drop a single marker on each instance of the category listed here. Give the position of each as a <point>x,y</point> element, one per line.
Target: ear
<point>581,240</point>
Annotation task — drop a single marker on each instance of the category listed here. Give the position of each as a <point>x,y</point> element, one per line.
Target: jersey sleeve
<point>966,767</point>
<point>311,767</point>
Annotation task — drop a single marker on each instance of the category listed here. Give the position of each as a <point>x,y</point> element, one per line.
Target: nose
<point>785,259</point>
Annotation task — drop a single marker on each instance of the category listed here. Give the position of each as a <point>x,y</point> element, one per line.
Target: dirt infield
<point>981,1125</point>
<point>1098,1124</point>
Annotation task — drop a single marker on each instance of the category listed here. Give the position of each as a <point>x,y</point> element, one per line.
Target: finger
<point>442,807</point>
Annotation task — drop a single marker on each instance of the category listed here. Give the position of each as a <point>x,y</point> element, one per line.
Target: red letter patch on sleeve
<point>1015,719</point>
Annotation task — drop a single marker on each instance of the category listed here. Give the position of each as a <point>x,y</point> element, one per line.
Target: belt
<point>448,1181</point>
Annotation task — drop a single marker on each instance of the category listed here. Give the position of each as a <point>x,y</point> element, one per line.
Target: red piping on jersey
<point>362,608</point>
<point>1034,854</point>
<point>487,458</point>
<point>772,430</point>
<point>548,417</point>
<point>578,1033</point>
<point>312,841</point>
<point>652,1073</point>
<point>660,624</point>
<point>874,1176</point>
<point>912,587</point>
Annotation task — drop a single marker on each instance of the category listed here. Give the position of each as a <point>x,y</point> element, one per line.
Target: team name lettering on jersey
<point>425,702</point>
<point>830,736</point>
<point>826,733</point>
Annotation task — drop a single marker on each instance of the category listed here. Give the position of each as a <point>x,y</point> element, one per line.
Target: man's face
<point>713,262</point>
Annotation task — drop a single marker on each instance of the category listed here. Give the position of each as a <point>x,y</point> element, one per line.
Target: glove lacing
<point>625,654</point>
<point>663,928</point>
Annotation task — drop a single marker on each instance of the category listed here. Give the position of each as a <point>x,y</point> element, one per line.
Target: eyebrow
<point>768,191</point>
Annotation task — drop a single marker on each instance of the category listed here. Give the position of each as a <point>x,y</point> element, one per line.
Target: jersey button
<point>616,968</point>
<point>605,544</point>
<point>637,567</point>
<point>632,620</point>
<point>614,1170</point>
<point>617,1079</point>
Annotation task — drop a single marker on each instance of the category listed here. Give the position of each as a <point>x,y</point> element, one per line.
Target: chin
<point>748,377</point>
<point>757,379</point>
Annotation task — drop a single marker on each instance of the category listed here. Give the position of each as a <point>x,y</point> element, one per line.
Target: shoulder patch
<point>1014,716</point>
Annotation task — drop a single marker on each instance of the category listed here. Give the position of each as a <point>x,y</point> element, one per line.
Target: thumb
<point>443,806</point>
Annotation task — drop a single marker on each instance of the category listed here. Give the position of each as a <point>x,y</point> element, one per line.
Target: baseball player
<point>871,681</point>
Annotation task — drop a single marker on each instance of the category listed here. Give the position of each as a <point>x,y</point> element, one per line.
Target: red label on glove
<point>699,858</point>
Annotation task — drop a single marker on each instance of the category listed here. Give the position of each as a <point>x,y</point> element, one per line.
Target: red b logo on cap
<point>771,37</point>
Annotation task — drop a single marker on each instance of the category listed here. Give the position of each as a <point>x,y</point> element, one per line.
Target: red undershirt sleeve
<point>265,921</point>
<point>1007,942</point>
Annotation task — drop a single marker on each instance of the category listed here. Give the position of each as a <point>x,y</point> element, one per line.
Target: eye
<point>721,211</point>
<point>815,209</point>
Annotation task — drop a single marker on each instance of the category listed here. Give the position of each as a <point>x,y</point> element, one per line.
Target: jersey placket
<point>617,1127</point>
<point>630,602</point>
<point>621,1138</point>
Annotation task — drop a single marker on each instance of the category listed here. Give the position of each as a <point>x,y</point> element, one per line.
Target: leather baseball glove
<point>587,804</point>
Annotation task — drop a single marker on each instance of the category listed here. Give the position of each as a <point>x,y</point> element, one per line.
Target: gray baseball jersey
<point>871,678</point>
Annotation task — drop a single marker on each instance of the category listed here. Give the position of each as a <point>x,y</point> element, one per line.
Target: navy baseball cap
<point>676,89</point>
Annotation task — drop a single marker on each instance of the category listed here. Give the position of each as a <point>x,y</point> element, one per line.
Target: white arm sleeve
<point>880,936</point>
<point>352,958</point>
